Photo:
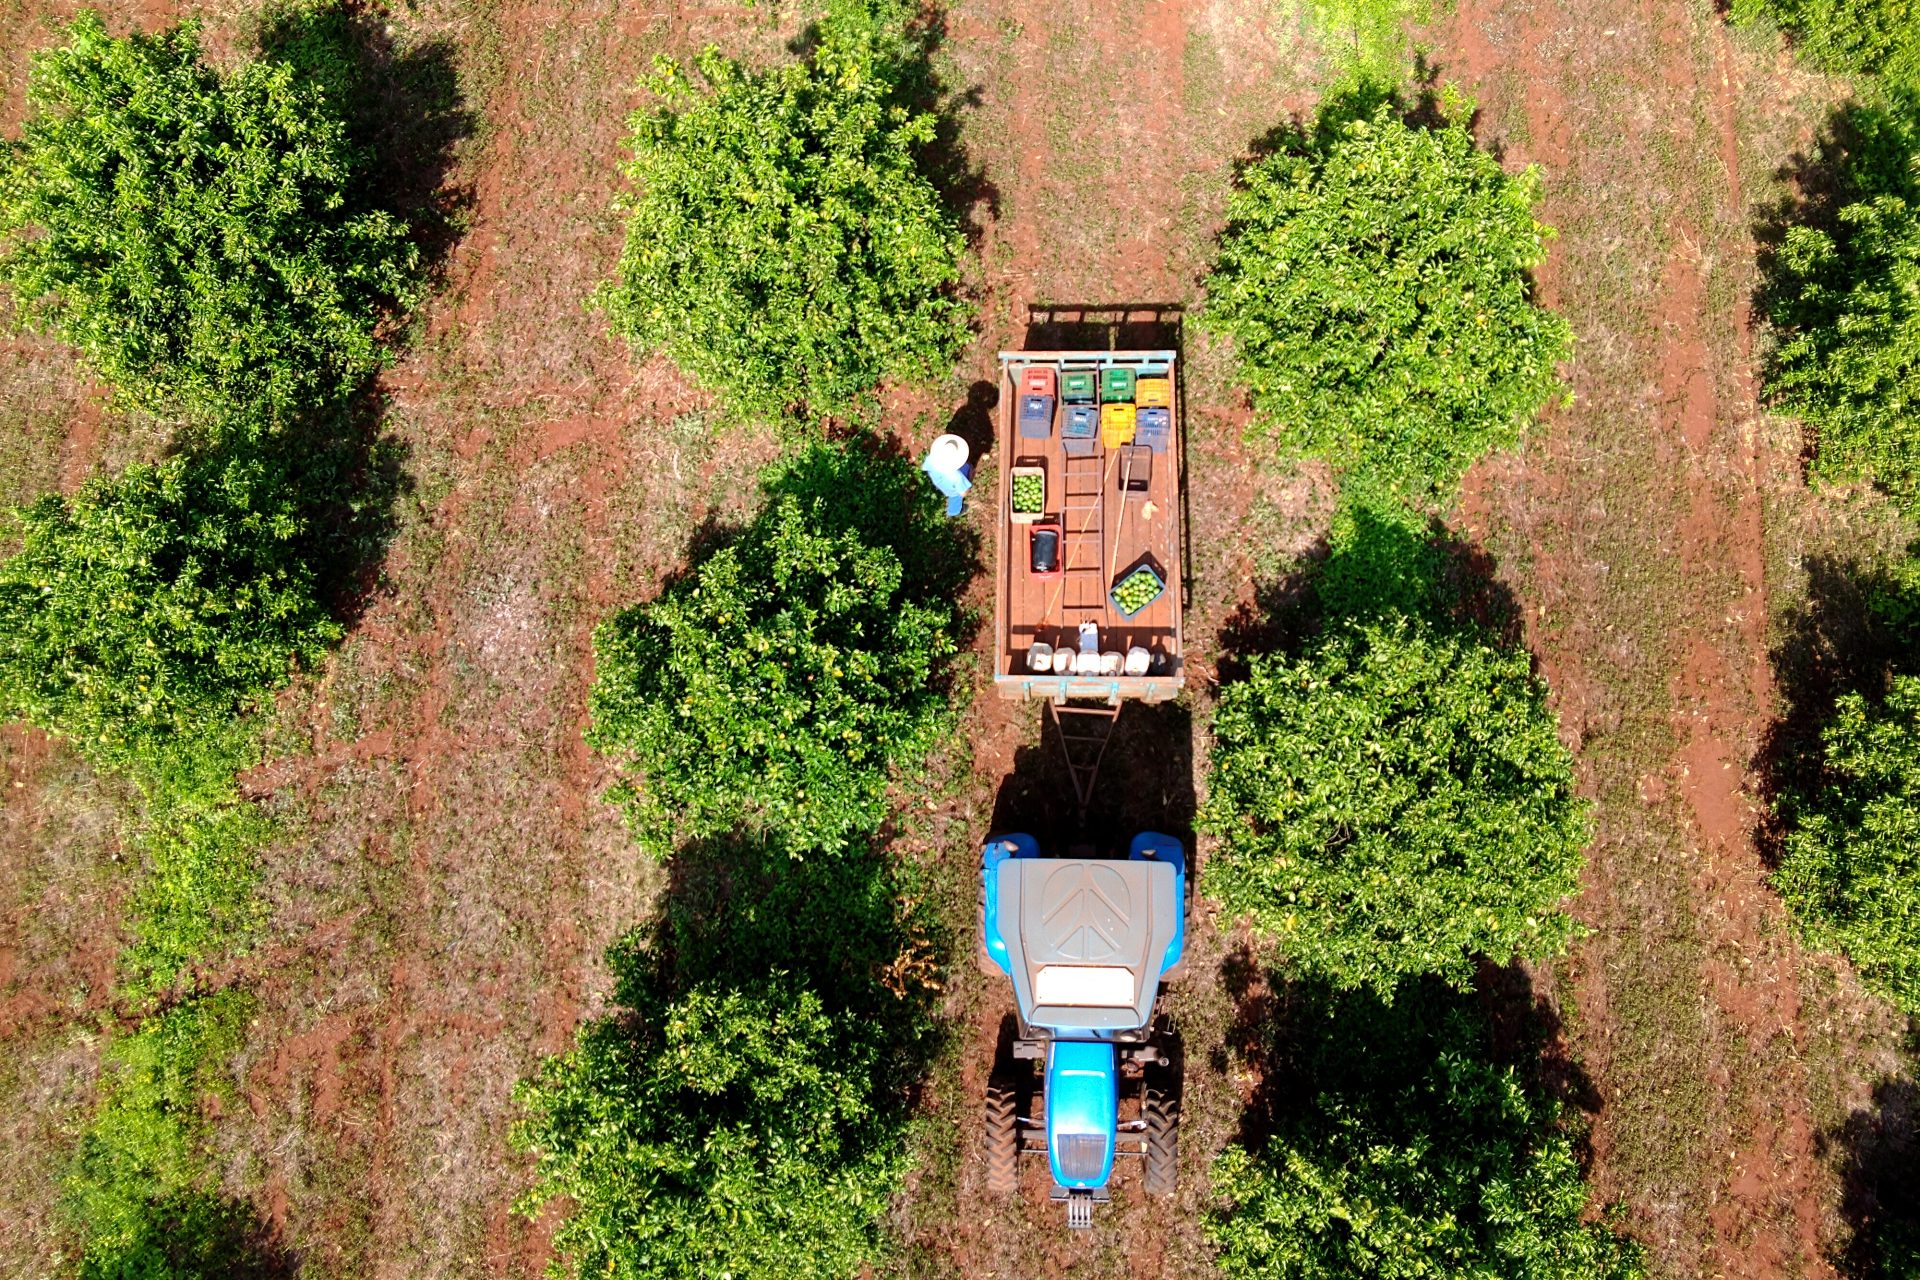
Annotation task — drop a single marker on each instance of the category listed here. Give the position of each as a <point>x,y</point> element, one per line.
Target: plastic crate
<point>1036,380</point>
<point>1022,470</point>
<point>1116,384</point>
<point>1154,393</point>
<point>1153,428</point>
<point>1079,386</point>
<point>1116,425</point>
<point>1082,422</point>
<point>1159,587</point>
<point>1036,417</point>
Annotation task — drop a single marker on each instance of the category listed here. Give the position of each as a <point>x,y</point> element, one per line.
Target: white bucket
<point>1138,661</point>
<point>1040,656</point>
<point>1062,661</point>
<point>948,453</point>
<point>1110,663</point>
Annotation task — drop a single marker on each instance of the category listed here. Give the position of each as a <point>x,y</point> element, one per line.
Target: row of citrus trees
<point>1396,814</point>
<point>1842,295</point>
<point>211,244</point>
<point>1842,292</point>
<point>744,1109</point>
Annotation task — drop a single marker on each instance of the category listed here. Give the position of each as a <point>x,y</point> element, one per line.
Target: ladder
<point>1084,729</point>
<point>1083,551</point>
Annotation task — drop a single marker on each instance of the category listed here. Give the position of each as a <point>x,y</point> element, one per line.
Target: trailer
<point>1088,533</point>
<point>1112,500</point>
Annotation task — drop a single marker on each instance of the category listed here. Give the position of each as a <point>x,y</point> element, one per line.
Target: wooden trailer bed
<point>1110,520</point>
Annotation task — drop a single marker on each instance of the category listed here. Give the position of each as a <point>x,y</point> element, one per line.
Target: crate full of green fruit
<point>1136,589</point>
<point>1028,500</point>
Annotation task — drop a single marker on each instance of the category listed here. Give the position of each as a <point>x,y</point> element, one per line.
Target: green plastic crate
<point>1116,385</point>
<point>1077,386</point>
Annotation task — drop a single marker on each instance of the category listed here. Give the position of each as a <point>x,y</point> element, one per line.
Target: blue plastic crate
<point>1082,422</point>
<point>1153,428</point>
<point>1036,417</point>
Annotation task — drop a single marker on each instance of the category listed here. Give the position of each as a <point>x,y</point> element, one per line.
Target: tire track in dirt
<point>1754,1211</point>
<point>1092,213</point>
<point>533,410</point>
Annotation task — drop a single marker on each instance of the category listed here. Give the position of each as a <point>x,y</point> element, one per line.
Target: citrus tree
<point>1391,794</point>
<point>778,684</point>
<point>743,1111</point>
<point>1851,866</point>
<point>190,231</point>
<point>783,244</point>
<point>156,601</point>
<point>1875,36</point>
<point>1392,802</point>
<point>1843,295</point>
<point>1373,276</point>
<point>1403,1149</point>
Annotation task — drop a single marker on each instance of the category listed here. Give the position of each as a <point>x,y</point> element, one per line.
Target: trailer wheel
<point>1161,1109</point>
<point>1003,1136</point>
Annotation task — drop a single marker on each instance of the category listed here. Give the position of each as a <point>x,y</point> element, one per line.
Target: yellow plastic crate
<point>1153,393</point>
<point>1116,425</point>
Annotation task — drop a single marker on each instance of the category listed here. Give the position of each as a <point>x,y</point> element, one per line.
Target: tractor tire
<point>1160,1107</point>
<point>1003,1136</point>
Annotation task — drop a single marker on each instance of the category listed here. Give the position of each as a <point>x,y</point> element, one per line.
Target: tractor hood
<point>1086,938</point>
<point>1083,1096</point>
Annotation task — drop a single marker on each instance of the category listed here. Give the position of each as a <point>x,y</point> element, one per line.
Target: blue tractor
<point>1087,942</point>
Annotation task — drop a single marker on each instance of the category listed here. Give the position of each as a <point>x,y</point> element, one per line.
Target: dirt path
<point>1108,131</point>
<point>1636,524</point>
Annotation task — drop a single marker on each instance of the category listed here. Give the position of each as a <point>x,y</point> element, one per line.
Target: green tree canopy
<point>1402,1151</point>
<point>744,1110</point>
<point>1843,294</point>
<point>778,684</point>
<point>1374,278</point>
<point>159,600</point>
<point>783,244</point>
<point>190,232</point>
<point>1393,800</point>
<point>142,1185</point>
<point>1851,866</point>
<point>1876,36</point>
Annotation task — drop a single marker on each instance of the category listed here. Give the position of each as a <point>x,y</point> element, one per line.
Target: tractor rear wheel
<point>1160,1107</point>
<point>1003,1136</point>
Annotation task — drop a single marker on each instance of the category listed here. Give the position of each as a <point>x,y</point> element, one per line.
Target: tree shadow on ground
<point>1105,326</point>
<point>970,196</point>
<point>1303,1039</point>
<point>1880,1178</point>
<point>1854,630</point>
<point>402,106</point>
<point>1374,565</point>
<point>738,909</point>
<point>195,1234</point>
<point>1145,783</point>
<point>348,475</point>
<point>404,118</point>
